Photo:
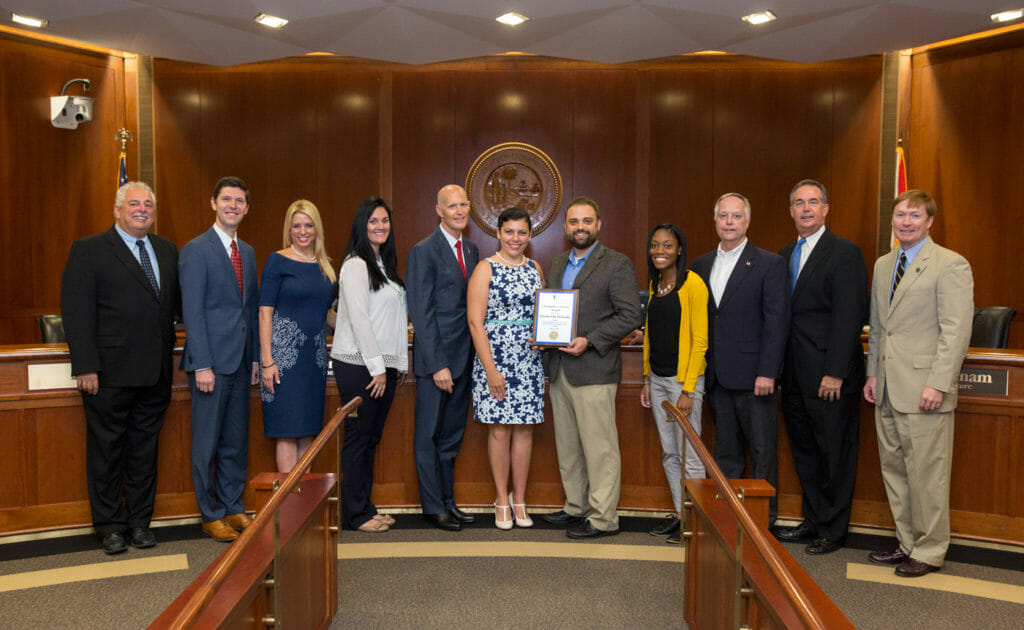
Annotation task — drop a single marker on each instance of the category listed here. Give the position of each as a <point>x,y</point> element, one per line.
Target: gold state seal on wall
<point>513,174</point>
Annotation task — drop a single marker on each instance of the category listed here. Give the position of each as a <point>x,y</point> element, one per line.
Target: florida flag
<point>901,187</point>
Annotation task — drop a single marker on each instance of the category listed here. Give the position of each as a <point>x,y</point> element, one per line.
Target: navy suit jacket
<point>436,298</point>
<point>221,330</point>
<point>829,307</point>
<point>115,324</point>
<point>747,331</point>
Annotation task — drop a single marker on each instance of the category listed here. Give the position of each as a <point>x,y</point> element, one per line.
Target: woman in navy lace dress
<point>296,291</point>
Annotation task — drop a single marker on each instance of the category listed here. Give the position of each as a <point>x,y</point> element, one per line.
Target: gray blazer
<point>609,309</point>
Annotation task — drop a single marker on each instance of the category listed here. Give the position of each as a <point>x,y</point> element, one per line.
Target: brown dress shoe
<point>894,556</point>
<point>238,521</point>
<point>914,568</point>
<point>220,531</point>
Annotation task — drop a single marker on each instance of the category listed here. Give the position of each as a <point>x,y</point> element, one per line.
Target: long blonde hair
<point>309,209</point>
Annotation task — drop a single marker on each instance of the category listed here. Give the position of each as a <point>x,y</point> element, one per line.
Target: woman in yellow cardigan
<point>675,340</point>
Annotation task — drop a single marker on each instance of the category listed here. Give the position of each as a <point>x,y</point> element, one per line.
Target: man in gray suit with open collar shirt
<point>584,375</point>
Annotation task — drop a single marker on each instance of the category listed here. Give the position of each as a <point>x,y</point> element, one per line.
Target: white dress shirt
<point>721,269</point>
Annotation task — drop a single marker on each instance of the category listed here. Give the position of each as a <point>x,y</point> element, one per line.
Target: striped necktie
<point>900,268</point>
<point>147,265</point>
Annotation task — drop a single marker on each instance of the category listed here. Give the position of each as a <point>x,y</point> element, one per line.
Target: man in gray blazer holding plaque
<point>584,375</point>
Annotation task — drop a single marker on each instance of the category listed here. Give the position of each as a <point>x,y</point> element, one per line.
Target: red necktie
<point>458,252</point>
<point>236,262</point>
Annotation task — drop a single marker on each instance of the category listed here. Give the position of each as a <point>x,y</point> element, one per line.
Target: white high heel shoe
<point>525,521</point>
<point>501,523</point>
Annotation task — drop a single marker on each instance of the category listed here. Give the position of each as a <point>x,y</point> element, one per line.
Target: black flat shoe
<point>443,521</point>
<point>141,538</point>
<point>586,530</point>
<point>667,526</point>
<point>114,542</point>
<point>460,516</point>
<point>561,518</point>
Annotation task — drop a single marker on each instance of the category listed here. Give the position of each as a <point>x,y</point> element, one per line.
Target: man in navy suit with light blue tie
<point>748,317</point>
<point>436,275</point>
<point>219,295</point>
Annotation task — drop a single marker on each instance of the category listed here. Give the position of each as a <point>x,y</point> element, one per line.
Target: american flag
<point>122,171</point>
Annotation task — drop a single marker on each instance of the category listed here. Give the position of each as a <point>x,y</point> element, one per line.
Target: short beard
<point>587,242</point>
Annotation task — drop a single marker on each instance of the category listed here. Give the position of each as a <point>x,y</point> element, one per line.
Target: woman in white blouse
<point>369,355</point>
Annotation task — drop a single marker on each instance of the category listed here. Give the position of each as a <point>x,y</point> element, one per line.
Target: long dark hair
<point>359,244</point>
<point>655,274</point>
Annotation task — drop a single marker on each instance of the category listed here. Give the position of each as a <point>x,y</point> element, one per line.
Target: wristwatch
<point>688,394</point>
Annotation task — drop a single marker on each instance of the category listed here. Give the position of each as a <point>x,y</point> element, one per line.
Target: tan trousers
<point>915,451</point>
<point>587,442</point>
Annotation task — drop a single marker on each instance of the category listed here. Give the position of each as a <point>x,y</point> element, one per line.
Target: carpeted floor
<point>418,577</point>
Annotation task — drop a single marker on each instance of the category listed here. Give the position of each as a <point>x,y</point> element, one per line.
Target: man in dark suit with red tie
<point>436,275</point>
<point>823,370</point>
<point>119,296</point>
<point>219,294</point>
<point>747,321</point>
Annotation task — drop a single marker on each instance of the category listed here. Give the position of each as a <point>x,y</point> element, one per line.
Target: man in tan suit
<point>922,307</point>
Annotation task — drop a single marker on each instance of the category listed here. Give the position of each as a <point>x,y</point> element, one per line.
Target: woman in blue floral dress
<point>296,291</point>
<point>508,378</point>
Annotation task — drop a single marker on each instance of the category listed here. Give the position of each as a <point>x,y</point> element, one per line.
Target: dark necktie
<point>900,268</point>
<point>794,264</point>
<point>236,262</point>
<point>147,266</point>
<point>458,252</point>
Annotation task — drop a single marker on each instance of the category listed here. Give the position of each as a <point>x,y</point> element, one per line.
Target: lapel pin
<point>748,263</point>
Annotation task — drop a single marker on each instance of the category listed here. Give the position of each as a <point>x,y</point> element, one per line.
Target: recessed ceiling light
<point>28,21</point>
<point>512,18</point>
<point>759,18</point>
<point>270,20</point>
<point>1008,16</point>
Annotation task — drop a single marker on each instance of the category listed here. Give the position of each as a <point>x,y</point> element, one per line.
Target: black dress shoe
<point>141,538</point>
<point>896,556</point>
<point>460,516</point>
<point>914,568</point>
<point>114,542</point>
<point>802,533</point>
<point>443,521</point>
<point>586,530</point>
<point>821,546</point>
<point>667,526</point>
<point>562,518</point>
<point>674,539</point>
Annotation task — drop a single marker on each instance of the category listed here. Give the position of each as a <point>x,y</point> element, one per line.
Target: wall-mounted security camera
<point>67,111</point>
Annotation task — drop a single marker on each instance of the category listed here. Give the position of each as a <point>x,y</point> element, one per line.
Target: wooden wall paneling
<point>347,145</point>
<point>261,125</point>
<point>16,464</point>
<point>57,182</point>
<point>681,148</point>
<point>966,130</point>
<point>980,485</point>
<point>181,186</point>
<point>855,146</point>
<point>604,152</point>
<point>531,106</point>
<point>423,150</point>
<point>772,128</point>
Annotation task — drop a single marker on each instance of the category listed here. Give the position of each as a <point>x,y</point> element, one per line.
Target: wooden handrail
<point>801,605</point>
<point>227,562</point>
